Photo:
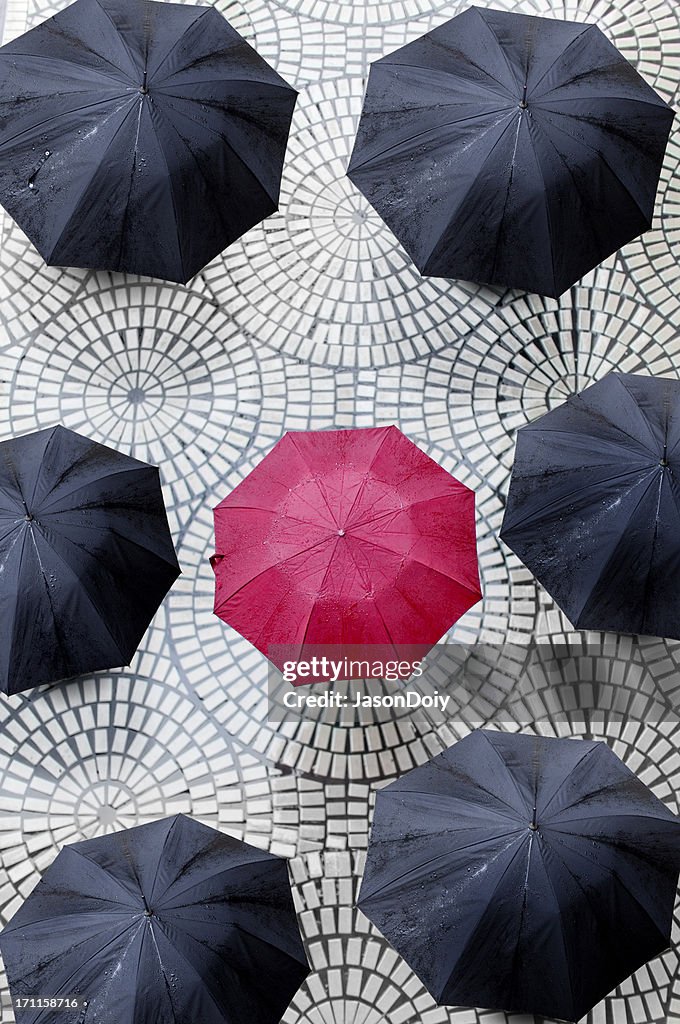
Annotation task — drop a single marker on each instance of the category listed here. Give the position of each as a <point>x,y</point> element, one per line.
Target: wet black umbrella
<point>167,923</point>
<point>510,149</point>
<point>139,136</point>
<point>594,505</point>
<point>522,873</point>
<point>86,556</point>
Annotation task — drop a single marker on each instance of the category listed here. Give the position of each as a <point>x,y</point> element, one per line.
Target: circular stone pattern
<point>104,752</point>
<point>651,259</point>
<point>647,32</point>
<point>356,977</point>
<point>529,357</point>
<point>324,279</point>
<point>231,678</point>
<point>156,372</point>
<point>604,704</point>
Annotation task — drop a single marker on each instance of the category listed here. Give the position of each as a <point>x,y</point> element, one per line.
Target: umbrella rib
<point>464,197</point>
<point>417,561</point>
<point>120,35</point>
<point>546,103</point>
<point>72,63</point>
<point>401,794</point>
<point>84,963</point>
<point>489,900</point>
<point>275,565</point>
<point>535,516</point>
<point>158,85</point>
<point>402,508</point>
<point>484,789</point>
<point>109,874</point>
<point>621,378</point>
<point>566,822</point>
<point>576,192</point>
<point>646,594</point>
<point>83,589</point>
<point>424,865</point>
<point>311,470</point>
<point>225,141</point>
<point>597,414</point>
<point>171,563</point>
<point>567,958</point>
<point>157,110</point>
<point>321,586</point>
<point>75,110</point>
<point>662,477</point>
<point>10,624</point>
<point>379,156</point>
<point>71,39</point>
<point>9,462</point>
<point>105,475</point>
<point>618,878</point>
<point>559,57</point>
<point>598,153</point>
<point>564,781</point>
<point>179,40</point>
<point>48,443</point>
<point>371,464</point>
<point>178,922</point>
<point>161,967</point>
<point>611,556</point>
<point>25,926</point>
<point>501,222</point>
<point>201,881</point>
<point>500,48</point>
<point>377,607</point>
<point>16,525</point>
<point>501,93</point>
<point>89,181</point>
<point>124,225</point>
<point>241,160</point>
<point>154,896</point>
<point>509,774</point>
<point>534,126</point>
<point>57,632</point>
<point>192,967</point>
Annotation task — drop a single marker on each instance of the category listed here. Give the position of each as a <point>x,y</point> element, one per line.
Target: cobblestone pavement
<point>316,319</point>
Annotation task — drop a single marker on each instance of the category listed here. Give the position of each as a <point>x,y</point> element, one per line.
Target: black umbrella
<point>139,136</point>
<point>510,149</point>
<point>86,556</point>
<point>167,923</point>
<point>594,505</point>
<point>522,873</point>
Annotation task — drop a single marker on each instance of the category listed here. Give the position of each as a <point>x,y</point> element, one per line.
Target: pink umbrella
<point>345,537</point>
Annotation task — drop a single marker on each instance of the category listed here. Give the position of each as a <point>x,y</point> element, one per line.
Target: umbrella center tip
<point>533,827</point>
<point>523,104</point>
<point>148,913</point>
<point>144,90</point>
<point>28,517</point>
<point>341,533</point>
<point>663,462</point>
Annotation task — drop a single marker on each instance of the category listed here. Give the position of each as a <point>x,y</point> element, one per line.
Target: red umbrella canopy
<point>345,537</point>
